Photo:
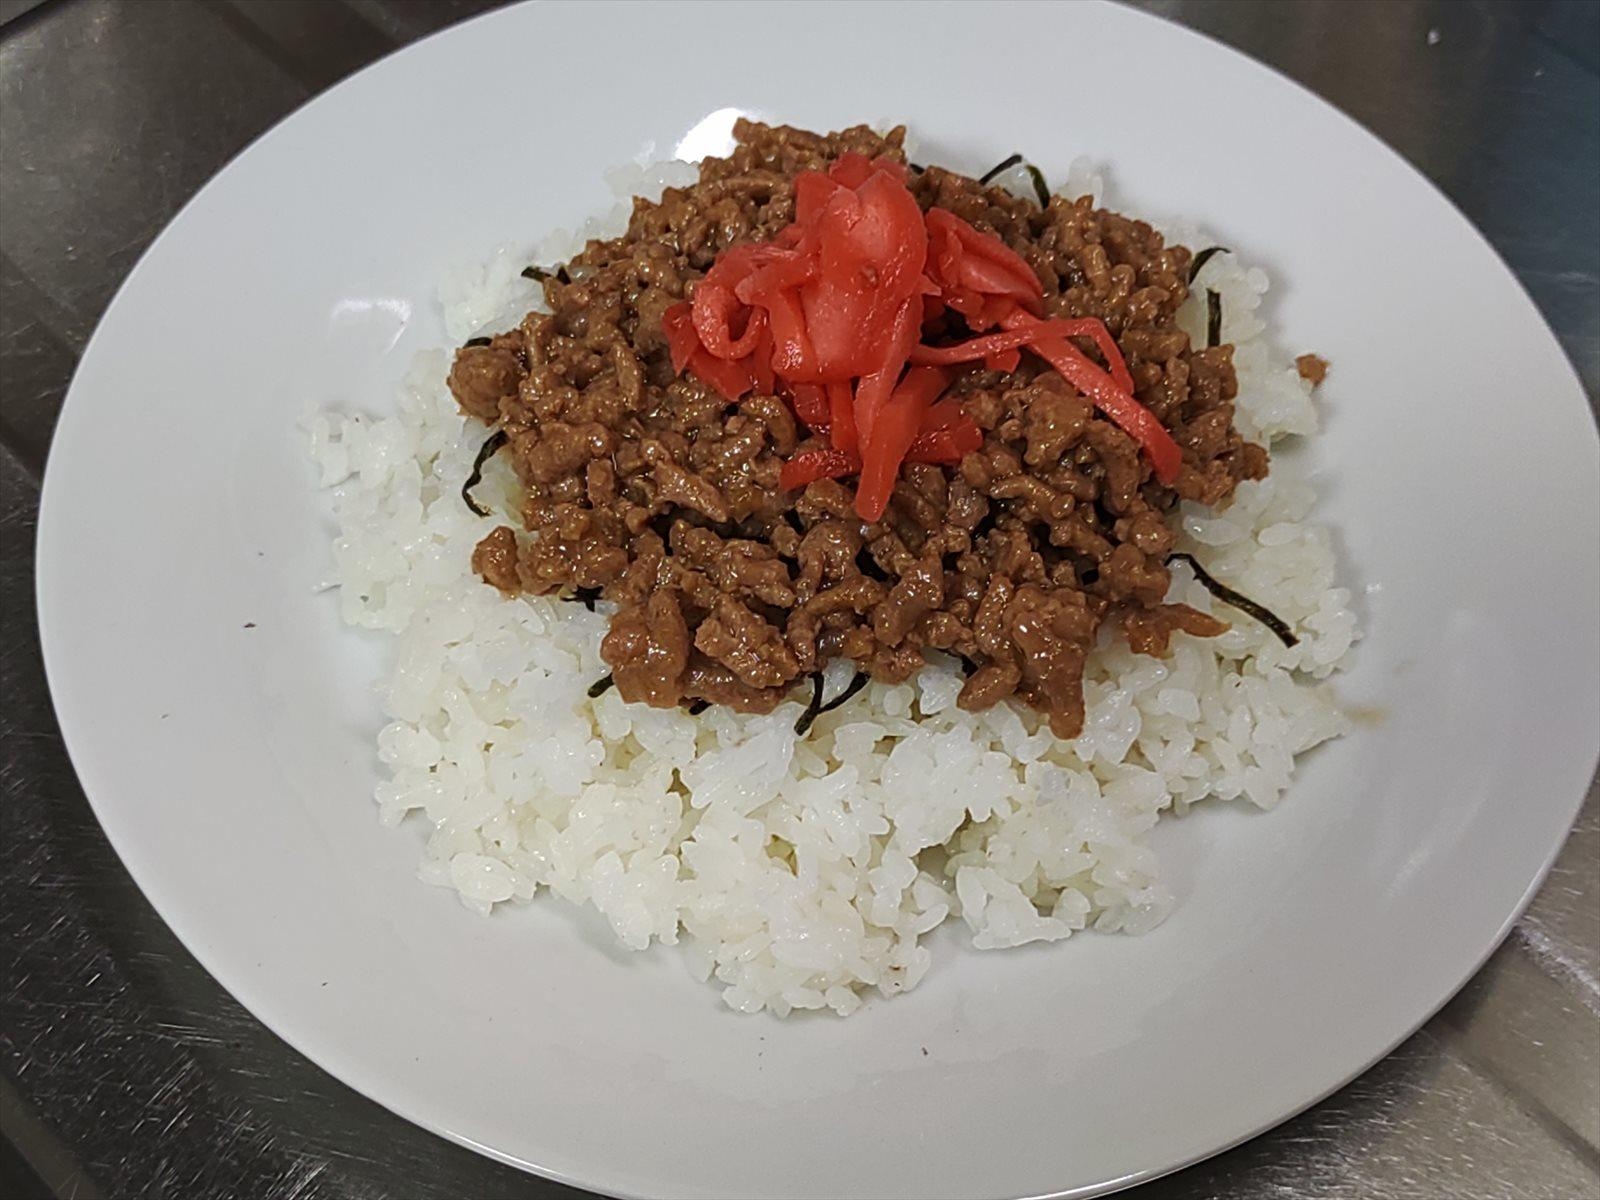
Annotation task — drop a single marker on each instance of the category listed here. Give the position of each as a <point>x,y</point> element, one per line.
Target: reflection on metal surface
<point>131,1058</point>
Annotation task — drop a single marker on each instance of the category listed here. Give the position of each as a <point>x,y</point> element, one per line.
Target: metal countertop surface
<point>126,1071</point>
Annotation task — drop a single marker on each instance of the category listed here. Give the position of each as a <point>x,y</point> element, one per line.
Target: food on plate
<point>1313,368</point>
<point>825,405</point>
<point>870,544</point>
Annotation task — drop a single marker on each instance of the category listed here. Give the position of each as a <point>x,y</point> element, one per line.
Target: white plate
<point>232,766</point>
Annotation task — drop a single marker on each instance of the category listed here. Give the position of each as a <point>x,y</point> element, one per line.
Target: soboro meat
<point>653,490</point>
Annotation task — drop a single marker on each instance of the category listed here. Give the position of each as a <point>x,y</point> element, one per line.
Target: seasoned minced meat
<point>657,492</point>
<point>1313,368</point>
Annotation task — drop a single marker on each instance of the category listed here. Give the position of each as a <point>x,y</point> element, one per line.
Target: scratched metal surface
<point>126,1071</point>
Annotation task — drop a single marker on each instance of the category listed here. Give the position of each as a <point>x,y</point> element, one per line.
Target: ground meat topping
<point>649,488</point>
<point>1313,368</point>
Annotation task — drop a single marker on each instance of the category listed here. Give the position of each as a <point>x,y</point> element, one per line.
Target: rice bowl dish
<point>803,870</point>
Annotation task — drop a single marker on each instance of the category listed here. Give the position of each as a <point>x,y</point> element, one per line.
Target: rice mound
<point>802,873</point>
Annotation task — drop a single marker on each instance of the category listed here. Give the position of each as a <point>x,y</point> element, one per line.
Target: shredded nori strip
<point>1004,164</point>
<point>1040,187</point>
<point>477,341</point>
<point>916,168</point>
<point>1213,319</point>
<point>698,707</point>
<point>816,708</point>
<point>1243,603</point>
<point>855,685</point>
<point>967,665</point>
<point>1203,258</point>
<point>601,686</point>
<point>485,453</point>
<point>812,709</point>
<point>586,597</point>
<point>539,274</point>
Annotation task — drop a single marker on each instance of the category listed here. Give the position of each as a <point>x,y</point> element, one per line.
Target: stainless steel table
<point>126,1071</point>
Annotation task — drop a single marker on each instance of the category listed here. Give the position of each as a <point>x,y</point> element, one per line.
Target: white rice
<point>805,872</point>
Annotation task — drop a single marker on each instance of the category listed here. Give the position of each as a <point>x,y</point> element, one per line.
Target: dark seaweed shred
<point>699,706</point>
<point>477,341</point>
<point>1203,258</point>
<point>485,453</point>
<point>813,708</point>
<point>855,685</point>
<point>967,665</point>
<point>601,686</point>
<point>539,274</point>
<point>916,168</point>
<point>816,708</point>
<point>1041,189</point>
<point>1243,603</point>
<point>586,597</point>
<point>1004,164</point>
<point>1213,319</point>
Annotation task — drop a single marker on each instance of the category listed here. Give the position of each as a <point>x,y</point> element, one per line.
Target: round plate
<point>222,721</point>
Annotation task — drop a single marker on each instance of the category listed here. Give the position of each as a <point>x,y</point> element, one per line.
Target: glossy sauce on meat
<point>657,492</point>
